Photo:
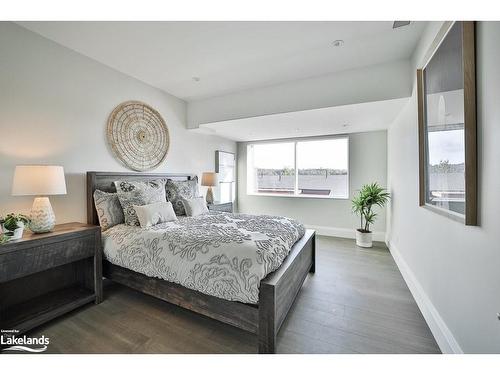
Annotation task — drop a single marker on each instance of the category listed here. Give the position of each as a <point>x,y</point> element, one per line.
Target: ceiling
<point>231,56</point>
<point>343,119</point>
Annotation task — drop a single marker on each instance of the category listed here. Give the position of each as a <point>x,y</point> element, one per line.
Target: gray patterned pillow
<point>176,190</point>
<point>138,193</point>
<point>109,209</point>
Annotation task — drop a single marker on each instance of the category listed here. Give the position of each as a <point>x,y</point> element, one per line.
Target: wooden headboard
<point>104,181</point>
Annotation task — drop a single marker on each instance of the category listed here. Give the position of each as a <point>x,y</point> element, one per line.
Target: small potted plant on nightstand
<point>369,196</point>
<point>13,225</point>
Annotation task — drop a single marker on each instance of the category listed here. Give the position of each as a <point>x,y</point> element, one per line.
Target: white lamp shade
<point>209,179</point>
<point>39,180</point>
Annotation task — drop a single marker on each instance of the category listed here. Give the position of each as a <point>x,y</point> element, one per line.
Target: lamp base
<point>42,216</point>
<point>210,196</point>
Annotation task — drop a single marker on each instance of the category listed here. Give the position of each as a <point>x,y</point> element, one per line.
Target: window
<point>272,168</point>
<point>305,168</point>
<point>447,126</point>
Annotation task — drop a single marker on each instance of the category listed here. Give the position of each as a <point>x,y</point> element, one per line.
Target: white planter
<point>364,239</point>
<point>18,233</point>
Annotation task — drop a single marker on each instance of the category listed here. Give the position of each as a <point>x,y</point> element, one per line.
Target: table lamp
<point>40,181</point>
<point>209,179</point>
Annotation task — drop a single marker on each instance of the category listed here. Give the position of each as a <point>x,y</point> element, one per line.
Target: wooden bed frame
<point>276,294</point>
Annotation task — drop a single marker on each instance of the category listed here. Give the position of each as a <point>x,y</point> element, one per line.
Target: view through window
<point>316,168</point>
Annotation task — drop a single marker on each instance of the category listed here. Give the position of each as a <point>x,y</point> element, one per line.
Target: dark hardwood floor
<point>357,302</point>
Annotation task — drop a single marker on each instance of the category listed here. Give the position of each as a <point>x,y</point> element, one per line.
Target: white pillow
<point>155,213</point>
<point>195,206</point>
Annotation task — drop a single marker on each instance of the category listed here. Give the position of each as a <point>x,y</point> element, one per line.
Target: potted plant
<point>369,196</point>
<point>13,225</point>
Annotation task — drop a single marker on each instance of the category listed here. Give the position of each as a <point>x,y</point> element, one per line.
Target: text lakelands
<point>24,340</point>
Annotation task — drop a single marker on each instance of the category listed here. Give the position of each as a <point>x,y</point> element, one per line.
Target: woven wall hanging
<point>138,135</point>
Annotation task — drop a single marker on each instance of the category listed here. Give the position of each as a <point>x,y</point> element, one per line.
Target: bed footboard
<point>279,289</point>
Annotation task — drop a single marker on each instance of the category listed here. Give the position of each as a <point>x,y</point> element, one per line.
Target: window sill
<point>302,196</point>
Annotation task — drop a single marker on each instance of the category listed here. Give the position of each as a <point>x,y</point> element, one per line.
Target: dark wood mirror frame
<point>470,129</point>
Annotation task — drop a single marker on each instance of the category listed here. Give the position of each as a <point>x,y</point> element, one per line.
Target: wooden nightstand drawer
<point>16,264</point>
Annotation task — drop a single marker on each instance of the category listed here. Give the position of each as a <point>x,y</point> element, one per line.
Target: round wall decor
<point>138,135</point>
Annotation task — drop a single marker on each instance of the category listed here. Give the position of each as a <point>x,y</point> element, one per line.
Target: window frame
<point>470,127</point>
<point>295,141</point>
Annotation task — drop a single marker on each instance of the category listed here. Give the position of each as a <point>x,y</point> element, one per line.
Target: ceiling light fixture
<point>196,79</point>
<point>338,43</point>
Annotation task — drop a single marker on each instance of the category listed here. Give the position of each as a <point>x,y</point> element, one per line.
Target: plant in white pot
<point>369,196</point>
<point>13,225</point>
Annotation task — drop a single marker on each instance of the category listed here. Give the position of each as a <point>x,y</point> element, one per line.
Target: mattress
<point>220,254</point>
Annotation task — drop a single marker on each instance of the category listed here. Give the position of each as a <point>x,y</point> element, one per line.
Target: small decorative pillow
<point>109,209</point>
<point>155,213</point>
<point>195,206</point>
<point>176,190</point>
<point>138,193</point>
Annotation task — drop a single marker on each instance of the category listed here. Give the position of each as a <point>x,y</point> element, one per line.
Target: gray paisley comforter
<point>220,254</point>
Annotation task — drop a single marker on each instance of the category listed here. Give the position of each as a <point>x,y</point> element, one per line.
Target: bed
<point>260,307</point>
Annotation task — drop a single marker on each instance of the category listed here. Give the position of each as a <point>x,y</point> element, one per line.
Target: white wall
<point>54,104</point>
<point>452,269</point>
<point>367,163</point>
<point>378,82</point>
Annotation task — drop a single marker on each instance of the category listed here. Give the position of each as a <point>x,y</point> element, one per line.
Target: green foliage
<point>10,221</point>
<point>4,237</point>
<point>369,196</point>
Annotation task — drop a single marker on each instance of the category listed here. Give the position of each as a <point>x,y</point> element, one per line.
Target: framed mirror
<point>225,166</point>
<point>446,90</point>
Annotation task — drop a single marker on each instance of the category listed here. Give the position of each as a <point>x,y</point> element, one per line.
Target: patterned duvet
<point>220,254</point>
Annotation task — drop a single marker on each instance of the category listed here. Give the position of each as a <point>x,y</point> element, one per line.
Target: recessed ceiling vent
<point>398,24</point>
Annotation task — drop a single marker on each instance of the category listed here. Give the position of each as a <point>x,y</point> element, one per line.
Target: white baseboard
<point>342,232</point>
<point>444,338</point>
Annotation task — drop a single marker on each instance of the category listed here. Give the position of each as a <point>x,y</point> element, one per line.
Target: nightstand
<point>221,207</point>
<point>43,276</point>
